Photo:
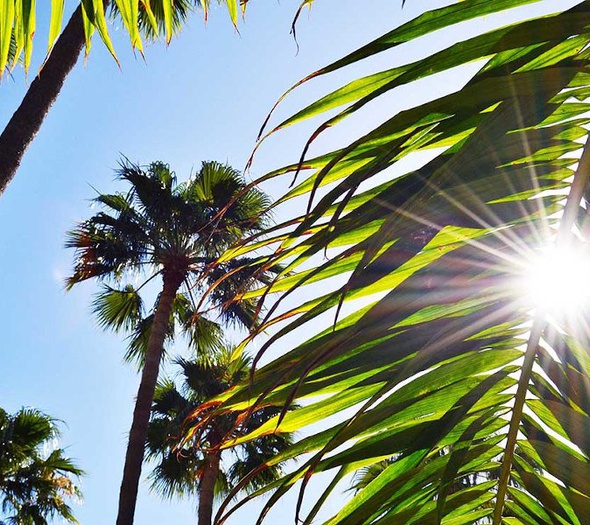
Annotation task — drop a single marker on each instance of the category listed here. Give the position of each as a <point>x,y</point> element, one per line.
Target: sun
<point>557,279</point>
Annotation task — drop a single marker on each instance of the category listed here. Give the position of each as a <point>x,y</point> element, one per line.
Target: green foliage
<point>141,19</point>
<point>36,479</point>
<point>445,354</point>
<point>180,462</point>
<point>159,227</point>
<point>177,232</point>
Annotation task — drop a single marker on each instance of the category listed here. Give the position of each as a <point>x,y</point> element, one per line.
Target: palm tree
<point>174,231</point>
<point>34,483</point>
<point>148,18</point>
<point>184,469</point>
<point>448,350</point>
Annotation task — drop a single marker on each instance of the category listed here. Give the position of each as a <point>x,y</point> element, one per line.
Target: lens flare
<point>558,279</point>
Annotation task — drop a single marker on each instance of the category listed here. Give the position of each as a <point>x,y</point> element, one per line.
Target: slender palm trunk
<point>207,487</point>
<point>27,120</point>
<point>145,396</point>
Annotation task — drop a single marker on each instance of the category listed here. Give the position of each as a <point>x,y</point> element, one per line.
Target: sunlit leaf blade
<point>150,16</point>
<point>140,19</point>
<point>7,16</point>
<point>28,29</point>
<point>233,9</point>
<point>96,14</point>
<point>429,22</point>
<point>129,10</point>
<point>118,309</point>
<point>87,20</point>
<point>168,22</point>
<point>55,22</point>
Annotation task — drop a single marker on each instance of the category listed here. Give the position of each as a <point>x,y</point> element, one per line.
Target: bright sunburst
<point>558,279</point>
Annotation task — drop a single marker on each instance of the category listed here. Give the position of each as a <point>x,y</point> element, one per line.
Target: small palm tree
<point>183,469</point>
<point>34,484</point>
<point>177,232</point>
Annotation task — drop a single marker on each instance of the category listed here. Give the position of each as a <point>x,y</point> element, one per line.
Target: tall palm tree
<point>183,469</point>
<point>173,231</point>
<point>34,484</point>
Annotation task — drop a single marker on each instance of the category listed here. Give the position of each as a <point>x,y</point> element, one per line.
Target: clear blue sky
<point>202,98</point>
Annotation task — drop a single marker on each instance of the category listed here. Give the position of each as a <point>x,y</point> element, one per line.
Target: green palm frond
<point>181,463</point>
<point>174,476</point>
<point>366,475</point>
<point>36,480</point>
<point>436,357</point>
<point>233,208</point>
<point>118,309</point>
<point>203,334</point>
<point>146,19</point>
<point>139,337</point>
<point>106,247</point>
<point>151,17</point>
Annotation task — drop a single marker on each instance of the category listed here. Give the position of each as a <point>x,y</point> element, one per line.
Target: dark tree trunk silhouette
<point>145,396</point>
<point>27,119</point>
<point>207,487</point>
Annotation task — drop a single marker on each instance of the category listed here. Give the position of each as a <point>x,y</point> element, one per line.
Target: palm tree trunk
<point>207,487</point>
<point>26,121</point>
<point>145,396</point>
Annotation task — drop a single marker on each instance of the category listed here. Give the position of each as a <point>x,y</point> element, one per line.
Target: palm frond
<point>37,480</point>
<point>146,19</point>
<point>118,309</point>
<point>181,462</point>
<point>444,367</point>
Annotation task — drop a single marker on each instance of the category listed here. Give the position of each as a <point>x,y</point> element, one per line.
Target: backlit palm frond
<point>438,357</point>
<point>141,19</point>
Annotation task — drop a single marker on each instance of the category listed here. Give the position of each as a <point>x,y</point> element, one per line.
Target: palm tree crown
<point>182,467</point>
<point>160,226</point>
<point>34,485</point>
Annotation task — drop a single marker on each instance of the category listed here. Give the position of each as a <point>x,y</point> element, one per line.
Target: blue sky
<point>202,98</point>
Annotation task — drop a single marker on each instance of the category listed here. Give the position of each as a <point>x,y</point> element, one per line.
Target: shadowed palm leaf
<point>186,470</point>
<point>34,484</point>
